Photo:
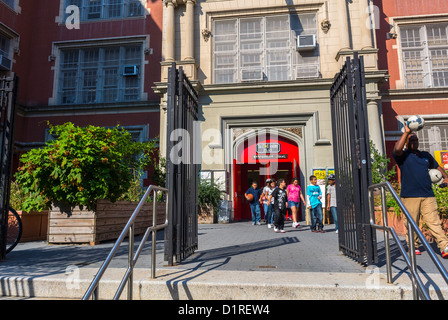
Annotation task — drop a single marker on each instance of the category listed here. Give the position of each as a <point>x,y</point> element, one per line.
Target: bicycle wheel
<point>14,230</point>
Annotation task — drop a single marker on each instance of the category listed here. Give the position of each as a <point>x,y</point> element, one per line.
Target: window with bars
<point>433,138</point>
<point>107,9</point>
<point>263,49</point>
<point>425,55</point>
<point>96,75</point>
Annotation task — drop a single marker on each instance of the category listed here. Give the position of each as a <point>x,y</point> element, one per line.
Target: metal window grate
<point>425,55</point>
<point>94,75</point>
<point>262,48</point>
<point>433,138</point>
<point>107,9</point>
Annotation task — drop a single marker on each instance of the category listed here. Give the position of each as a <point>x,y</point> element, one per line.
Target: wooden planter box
<point>397,222</point>
<point>393,220</point>
<point>34,225</point>
<point>106,223</point>
<point>207,216</point>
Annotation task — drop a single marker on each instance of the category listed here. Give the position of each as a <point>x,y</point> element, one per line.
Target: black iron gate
<point>352,162</point>
<point>182,174</point>
<point>8,93</point>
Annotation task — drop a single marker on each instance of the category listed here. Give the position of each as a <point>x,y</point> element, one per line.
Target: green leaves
<point>379,162</point>
<point>209,194</point>
<point>81,166</point>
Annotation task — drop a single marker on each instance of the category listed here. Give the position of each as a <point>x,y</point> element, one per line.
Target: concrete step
<point>182,284</point>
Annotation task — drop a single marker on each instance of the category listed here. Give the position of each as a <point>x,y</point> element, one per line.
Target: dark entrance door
<point>255,172</point>
<point>250,173</point>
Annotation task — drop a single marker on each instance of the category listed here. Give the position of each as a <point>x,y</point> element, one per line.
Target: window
<point>96,75</point>
<point>4,46</point>
<point>107,9</point>
<point>433,138</point>
<point>425,55</point>
<point>9,3</point>
<point>264,49</point>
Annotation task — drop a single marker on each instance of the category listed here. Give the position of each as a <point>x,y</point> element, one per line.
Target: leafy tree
<point>81,166</point>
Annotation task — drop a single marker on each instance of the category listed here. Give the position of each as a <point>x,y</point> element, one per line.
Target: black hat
<point>331,177</point>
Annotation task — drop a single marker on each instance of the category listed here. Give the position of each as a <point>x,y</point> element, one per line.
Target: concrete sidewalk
<point>233,261</point>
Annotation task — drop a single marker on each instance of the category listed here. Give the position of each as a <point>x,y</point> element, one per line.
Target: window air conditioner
<point>130,70</point>
<point>5,63</point>
<point>306,42</point>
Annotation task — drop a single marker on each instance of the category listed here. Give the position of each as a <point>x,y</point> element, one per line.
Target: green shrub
<point>209,195</point>
<point>81,166</point>
<point>379,165</point>
<point>442,200</point>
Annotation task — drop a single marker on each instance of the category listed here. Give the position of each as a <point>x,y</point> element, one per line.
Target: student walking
<point>315,205</point>
<point>255,202</point>
<point>331,199</point>
<point>280,205</point>
<point>273,186</point>
<point>265,198</point>
<point>294,193</point>
<point>267,206</point>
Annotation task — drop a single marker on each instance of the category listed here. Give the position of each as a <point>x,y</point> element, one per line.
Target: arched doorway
<point>259,155</point>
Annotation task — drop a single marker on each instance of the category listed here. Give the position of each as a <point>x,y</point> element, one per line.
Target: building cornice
<point>81,109</point>
<point>413,94</point>
<point>323,83</point>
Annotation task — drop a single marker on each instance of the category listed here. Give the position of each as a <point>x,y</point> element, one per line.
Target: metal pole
<point>154,238</point>
<point>412,258</point>
<point>131,261</point>
<point>386,236</point>
<point>95,295</point>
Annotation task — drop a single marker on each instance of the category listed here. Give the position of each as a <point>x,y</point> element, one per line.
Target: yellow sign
<point>322,173</point>
<point>442,158</point>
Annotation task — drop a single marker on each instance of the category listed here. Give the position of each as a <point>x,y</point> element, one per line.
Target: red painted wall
<point>38,30</point>
<point>389,60</point>
<point>36,24</point>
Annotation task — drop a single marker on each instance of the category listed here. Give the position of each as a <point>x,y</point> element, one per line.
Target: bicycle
<point>14,232</point>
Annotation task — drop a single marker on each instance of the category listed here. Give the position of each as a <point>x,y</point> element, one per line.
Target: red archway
<point>258,158</point>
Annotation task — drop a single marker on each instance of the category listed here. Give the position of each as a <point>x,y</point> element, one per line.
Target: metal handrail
<point>132,258</point>
<point>411,261</point>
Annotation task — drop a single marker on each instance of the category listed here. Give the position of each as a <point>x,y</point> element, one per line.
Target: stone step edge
<point>181,284</point>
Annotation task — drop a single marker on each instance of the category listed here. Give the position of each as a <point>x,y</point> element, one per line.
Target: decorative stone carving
<point>206,34</point>
<point>325,25</point>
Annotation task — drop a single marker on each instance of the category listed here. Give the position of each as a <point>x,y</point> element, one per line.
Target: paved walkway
<point>234,251</point>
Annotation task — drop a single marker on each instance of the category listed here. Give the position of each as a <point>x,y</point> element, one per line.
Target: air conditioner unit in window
<point>5,63</point>
<point>130,70</point>
<point>252,75</point>
<point>306,42</point>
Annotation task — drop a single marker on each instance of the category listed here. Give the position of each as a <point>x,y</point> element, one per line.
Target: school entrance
<point>261,155</point>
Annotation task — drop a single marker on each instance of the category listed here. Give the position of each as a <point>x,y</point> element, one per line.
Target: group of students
<point>277,198</point>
